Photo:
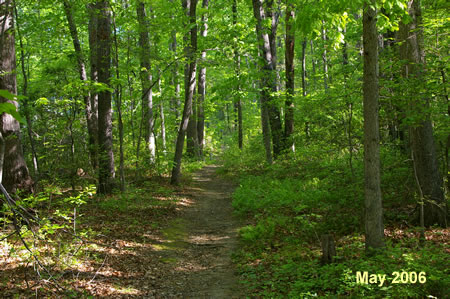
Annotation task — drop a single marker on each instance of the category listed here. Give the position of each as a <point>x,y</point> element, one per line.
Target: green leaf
<point>7,95</point>
<point>11,109</point>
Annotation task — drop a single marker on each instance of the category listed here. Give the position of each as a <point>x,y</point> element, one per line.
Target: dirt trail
<point>200,244</point>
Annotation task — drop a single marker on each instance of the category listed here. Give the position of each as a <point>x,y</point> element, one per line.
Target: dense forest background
<point>331,117</point>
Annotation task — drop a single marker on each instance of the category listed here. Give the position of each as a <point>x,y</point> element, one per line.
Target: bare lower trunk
<point>192,146</point>
<point>118,101</point>
<point>237,62</point>
<point>268,80</point>
<point>146,79</point>
<point>290,77</point>
<point>190,73</point>
<point>15,170</point>
<point>93,123</point>
<point>324,57</point>
<point>304,91</point>
<point>176,85</point>
<point>202,87</point>
<point>373,202</point>
<point>106,156</point>
<point>422,141</point>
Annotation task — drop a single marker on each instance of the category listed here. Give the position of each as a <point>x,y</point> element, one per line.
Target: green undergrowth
<point>291,203</point>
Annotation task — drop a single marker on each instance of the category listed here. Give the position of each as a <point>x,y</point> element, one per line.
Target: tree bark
<point>118,102</point>
<point>190,74</point>
<point>324,57</point>
<point>146,79</point>
<point>92,28</point>
<point>290,76</point>
<point>201,90</point>
<point>237,63</point>
<point>421,132</point>
<point>174,81</point>
<point>15,171</point>
<point>103,46</point>
<point>267,46</point>
<point>192,147</point>
<point>313,63</point>
<point>90,117</point>
<point>373,202</point>
<point>304,90</point>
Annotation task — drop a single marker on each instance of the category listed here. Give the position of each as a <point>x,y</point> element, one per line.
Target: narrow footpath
<point>199,245</point>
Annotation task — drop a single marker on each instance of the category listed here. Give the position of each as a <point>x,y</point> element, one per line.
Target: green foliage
<point>288,205</point>
<point>9,107</point>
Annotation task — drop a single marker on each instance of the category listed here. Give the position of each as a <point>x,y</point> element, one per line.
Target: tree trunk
<point>15,170</point>
<point>192,146</point>
<point>269,80</point>
<point>118,102</point>
<point>238,101</point>
<point>201,90</point>
<point>290,76</point>
<point>90,117</point>
<point>146,79</point>
<point>422,141</point>
<point>190,73</point>
<point>304,91</point>
<point>324,57</point>
<point>373,202</point>
<point>176,85</point>
<point>313,63</point>
<point>25,102</point>
<point>92,28</point>
<point>103,46</point>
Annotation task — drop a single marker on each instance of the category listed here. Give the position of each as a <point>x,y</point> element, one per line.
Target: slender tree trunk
<point>269,80</point>
<point>130,92</point>
<point>373,201</point>
<point>313,63</point>
<point>304,90</point>
<point>324,57</point>
<point>73,166</point>
<point>304,76</point>
<point>146,79</point>
<point>349,106</point>
<point>90,117</point>
<point>266,129</point>
<point>25,102</point>
<point>118,101</point>
<point>92,28</point>
<point>15,170</point>
<point>237,63</point>
<point>190,73</point>
<point>162,116</point>
<point>447,145</point>
<point>103,46</point>
<point>192,146</point>
<point>422,141</point>
<point>176,85</point>
<point>201,90</point>
<point>290,76</point>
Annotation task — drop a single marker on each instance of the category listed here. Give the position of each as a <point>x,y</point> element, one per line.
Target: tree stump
<point>328,249</point>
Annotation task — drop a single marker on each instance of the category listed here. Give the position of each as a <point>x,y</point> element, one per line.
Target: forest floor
<point>200,243</point>
<point>155,242</point>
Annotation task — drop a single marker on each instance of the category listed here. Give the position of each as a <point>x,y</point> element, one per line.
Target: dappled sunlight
<point>206,239</point>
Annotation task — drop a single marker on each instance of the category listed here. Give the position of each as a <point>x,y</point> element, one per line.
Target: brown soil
<point>202,241</point>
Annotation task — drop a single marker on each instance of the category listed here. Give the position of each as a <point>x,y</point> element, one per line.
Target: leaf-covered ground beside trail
<point>153,241</point>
